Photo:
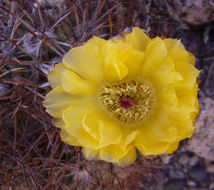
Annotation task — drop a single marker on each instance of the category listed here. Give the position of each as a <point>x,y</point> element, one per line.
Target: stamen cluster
<point>129,102</point>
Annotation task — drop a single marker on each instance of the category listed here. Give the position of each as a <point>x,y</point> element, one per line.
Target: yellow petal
<point>138,39</point>
<point>147,146</point>
<point>59,122</point>
<point>161,126</point>
<point>191,59</point>
<point>90,154</point>
<point>168,97</point>
<point>182,120</point>
<point>178,54</point>
<point>128,158</point>
<point>69,139</point>
<point>170,78</point>
<point>189,74</point>
<point>86,140</point>
<point>109,132</point>
<point>83,137</point>
<point>172,43</point>
<point>132,59</point>
<point>176,50</point>
<point>74,84</point>
<point>114,70</point>
<point>153,149</point>
<point>75,128</point>
<point>187,97</point>
<point>172,147</point>
<point>114,153</point>
<point>110,153</point>
<point>156,135</point>
<point>90,124</point>
<point>74,117</point>
<point>161,132</point>
<point>131,137</point>
<point>87,60</point>
<point>121,60</point>
<point>154,55</point>
<point>54,76</point>
<point>79,109</point>
<point>57,100</point>
<point>166,74</point>
<point>115,45</point>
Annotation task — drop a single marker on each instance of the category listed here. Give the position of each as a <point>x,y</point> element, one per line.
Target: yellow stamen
<point>129,102</point>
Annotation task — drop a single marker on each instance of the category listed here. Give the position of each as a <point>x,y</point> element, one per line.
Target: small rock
<point>3,89</point>
<point>174,184</point>
<point>183,159</point>
<point>165,158</point>
<point>193,161</point>
<point>210,167</point>
<point>194,12</point>
<point>197,173</point>
<point>209,91</point>
<point>203,139</point>
<point>211,187</point>
<point>191,183</point>
<point>177,174</point>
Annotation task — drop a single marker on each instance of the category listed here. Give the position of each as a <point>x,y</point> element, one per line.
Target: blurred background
<point>34,36</point>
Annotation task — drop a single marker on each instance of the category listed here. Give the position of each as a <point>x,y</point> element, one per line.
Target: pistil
<point>125,102</point>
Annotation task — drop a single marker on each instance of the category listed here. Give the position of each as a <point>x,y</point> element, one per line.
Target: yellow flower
<point>111,97</point>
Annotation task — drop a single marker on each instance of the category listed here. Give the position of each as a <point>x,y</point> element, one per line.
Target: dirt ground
<point>34,36</point>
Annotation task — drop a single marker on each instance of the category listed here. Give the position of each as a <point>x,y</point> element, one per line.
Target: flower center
<point>129,102</point>
<point>125,102</point>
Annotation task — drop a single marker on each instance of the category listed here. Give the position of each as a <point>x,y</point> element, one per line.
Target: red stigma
<point>125,102</point>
